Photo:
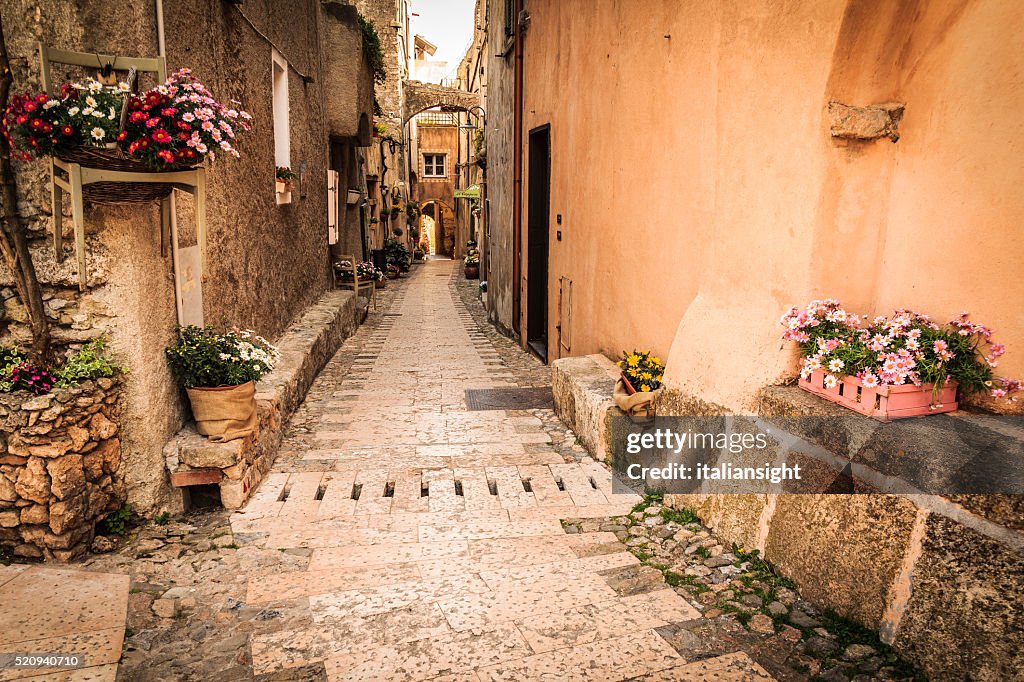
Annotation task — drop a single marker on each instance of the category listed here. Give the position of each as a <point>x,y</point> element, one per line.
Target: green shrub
<point>10,357</point>
<point>206,358</point>
<point>116,523</point>
<point>92,361</point>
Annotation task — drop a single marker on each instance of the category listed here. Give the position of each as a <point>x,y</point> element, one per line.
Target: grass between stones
<point>744,586</point>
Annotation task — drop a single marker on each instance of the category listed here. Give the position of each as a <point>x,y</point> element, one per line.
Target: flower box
<point>281,186</point>
<point>352,197</point>
<point>883,402</point>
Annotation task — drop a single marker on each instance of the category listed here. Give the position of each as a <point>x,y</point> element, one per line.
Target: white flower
<point>97,133</point>
<point>87,111</point>
<point>91,101</point>
<point>123,87</point>
<point>835,365</point>
<point>830,381</point>
<point>95,86</point>
<point>50,104</point>
<point>97,114</point>
<point>73,111</point>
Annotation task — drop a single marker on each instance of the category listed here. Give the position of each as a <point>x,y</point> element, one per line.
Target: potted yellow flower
<point>640,381</point>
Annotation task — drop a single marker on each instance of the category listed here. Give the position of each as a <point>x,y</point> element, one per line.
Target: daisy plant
<point>905,348</point>
<point>643,370</point>
<point>82,114</point>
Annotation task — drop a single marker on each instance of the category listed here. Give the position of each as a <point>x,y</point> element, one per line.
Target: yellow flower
<point>658,378</point>
<point>644,388</point>
<point>646,376</point>
<point>633,360</point>
<point>656,360</point>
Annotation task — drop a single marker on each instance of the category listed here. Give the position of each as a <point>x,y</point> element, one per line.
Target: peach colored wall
<point>702,195</point>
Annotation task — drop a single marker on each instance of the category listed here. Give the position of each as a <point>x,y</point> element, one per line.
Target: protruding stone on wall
<point>865,123</point>
<point>59,454</point>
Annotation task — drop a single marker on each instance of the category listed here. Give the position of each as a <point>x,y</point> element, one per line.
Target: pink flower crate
<point>883,403</point>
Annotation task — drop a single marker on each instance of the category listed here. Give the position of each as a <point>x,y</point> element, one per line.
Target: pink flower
<point>869,380</point>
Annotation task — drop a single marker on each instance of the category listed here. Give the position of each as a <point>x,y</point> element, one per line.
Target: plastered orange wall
<point>702,194</point>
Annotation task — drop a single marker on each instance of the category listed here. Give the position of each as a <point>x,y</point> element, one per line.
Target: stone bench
<point>583,388</point>
<point>239,465</point>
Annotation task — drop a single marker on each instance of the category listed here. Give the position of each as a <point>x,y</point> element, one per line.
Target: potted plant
<point>394,272</point>
<point>366,270</point>
<point>380,279</point>
<point>472,266</point>
<point>418,254</point>
<point>219,371</point>
<point>888,368</point>
<point>639,383</point>
<point>343,269</point>
<point>285,179</point>
<point>395,210</point>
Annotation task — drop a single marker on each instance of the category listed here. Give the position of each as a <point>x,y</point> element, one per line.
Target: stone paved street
<point>402,536</point>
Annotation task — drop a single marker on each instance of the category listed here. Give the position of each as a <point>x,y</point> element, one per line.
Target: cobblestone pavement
<point>402,537</point>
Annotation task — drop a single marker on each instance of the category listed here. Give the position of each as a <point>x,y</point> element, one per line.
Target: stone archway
<point>437,221</point>
<point>422,96</point>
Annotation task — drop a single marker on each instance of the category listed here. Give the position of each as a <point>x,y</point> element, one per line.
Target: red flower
<point>182,125</point>
<point>190,154</point>
<point>30,106</point>
<point>36,123</point>
<point>132,147</point>
<point>67,130</point>
<point>153,122</point>
<point>21,119</point>
<point>42,98</point>
<point>143,143</point>
<point>138,116</point>
<point>121,135</point>
<point>183,136</point>
<point>160,136</point>
<point>46,127</point>
<point>169,111</point>
<point>165,156</point>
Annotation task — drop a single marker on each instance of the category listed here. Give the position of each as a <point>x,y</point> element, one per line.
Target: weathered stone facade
<point>60,468</point>
<point>265,263</point>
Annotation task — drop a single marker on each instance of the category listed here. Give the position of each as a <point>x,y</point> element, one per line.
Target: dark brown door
<point>537,249</point>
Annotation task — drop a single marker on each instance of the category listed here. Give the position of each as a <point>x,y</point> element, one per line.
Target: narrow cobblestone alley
<point>401,536</point>
<point>437,547</point>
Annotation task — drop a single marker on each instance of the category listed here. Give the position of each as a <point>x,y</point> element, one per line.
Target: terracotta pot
<point>629,386</point>
<point>380,283</point>
<point>472,271</point>
<point>883,403</point>
<point>224,412</point>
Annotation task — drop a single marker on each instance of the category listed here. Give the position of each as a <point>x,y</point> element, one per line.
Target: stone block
<point>33,482</point>
<point>966,588</point>
<point>865,122</point>
<point>201,453</point>
<point>582,388</point>
<point>67,477</point>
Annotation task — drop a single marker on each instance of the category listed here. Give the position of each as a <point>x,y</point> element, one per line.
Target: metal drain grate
<point>478,399</point>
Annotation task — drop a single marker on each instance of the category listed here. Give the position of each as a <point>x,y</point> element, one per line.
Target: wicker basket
<point>113,159</point>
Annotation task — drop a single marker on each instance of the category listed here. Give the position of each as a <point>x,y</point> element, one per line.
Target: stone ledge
<point>240,464</point>
<point>583,388</point>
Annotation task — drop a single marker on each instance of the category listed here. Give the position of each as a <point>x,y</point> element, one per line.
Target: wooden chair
<point>70,177</point>
<point>348,278</point>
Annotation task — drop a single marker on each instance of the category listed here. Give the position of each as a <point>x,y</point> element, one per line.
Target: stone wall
<point>266,263</point>
<point>921,570</point>
<point>238,466</point>
<point>500,187</point>
<point>60,468</point>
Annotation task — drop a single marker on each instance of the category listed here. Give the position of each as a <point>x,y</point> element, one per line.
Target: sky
<point>447,24</point>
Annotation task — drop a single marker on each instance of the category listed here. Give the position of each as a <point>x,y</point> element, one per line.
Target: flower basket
<point>352,197</point>
<point>113,159</point>
<point>883,402</point>
<point>631,401</point>
<point>225,412</point>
